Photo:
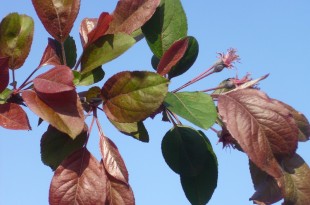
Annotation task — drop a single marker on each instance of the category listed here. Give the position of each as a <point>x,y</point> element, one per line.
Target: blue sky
<point>270,36</point>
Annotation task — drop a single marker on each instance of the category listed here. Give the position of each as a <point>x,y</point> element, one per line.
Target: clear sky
<point>271,36</point>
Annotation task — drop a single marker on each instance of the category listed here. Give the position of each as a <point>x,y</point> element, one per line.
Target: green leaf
<point>105,49</point>
<point>136,130</point>
<point>70,51</point>
<point>187,60</point>
<point>57,146</point>
<point>167,25</point>
<point>133,96</point>
<point>16,34</point>
<point>186,150</point>
<point>5,95</point>
<point>77,77</point>
<point>92,77</point>
<point>196,107</point>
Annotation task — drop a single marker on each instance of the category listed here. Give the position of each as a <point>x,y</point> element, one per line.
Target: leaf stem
<point>78,63</point>
<point>14,82</point>
<point>63,53</point>
<point>26,81</point>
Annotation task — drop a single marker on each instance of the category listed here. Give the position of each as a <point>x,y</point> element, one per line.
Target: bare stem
<point>63,53</point>
<point>14,82</point>
<point>27,79</point>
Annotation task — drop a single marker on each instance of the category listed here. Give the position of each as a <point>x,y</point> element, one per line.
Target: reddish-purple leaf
<point>112,160</point>
<point>172,56</point>
<point>87,25</point>
<point>13,117</point>
<point>50,56</point>
<point>130,15</point>
<point>63,110</point>
<point>79,180</point>
<point>101,27</point>
<point>4,73</point>
<point>263,127</point>
<point>57,16</point>
<point>56,80</point>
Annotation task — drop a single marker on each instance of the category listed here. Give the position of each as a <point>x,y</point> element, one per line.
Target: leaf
<point>87,25</point>
<point>92,77</point>
<point>112,160</point>
<point>100,29</point>
<point>187,60</point>
<point>172,56</point>
<point>130,15</point>
<point>56,146</point>
<point>135,129</point>
<point>167,25</point>
<point>297,177</point>
<point>13,117</point>
<point>263,127</point>
<point>63,111</point>
<point>51,55</point>
<point>57,16</point>
<point>4,95</point>
<point>16,34</point>
<point>4,73</point>
<point>185,150</point>
<point>80,179</point>
<point>70,51</point>
<point>196,107</point>
<point>133,96</point>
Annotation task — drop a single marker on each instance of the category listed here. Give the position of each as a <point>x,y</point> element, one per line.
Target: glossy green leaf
<point>4,95</point>
<point>187,60</point>
<point>196,107</point>
<point>92,77</point>
<point>186,150</point>
<point>133,96</point>
<point>16,34</point>
<point>70,51</point>
<point>165,27</point>
<point>57,146</point>
<point>105,49</point>
<point>135,129</point>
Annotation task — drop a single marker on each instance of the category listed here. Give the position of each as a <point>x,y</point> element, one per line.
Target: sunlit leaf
<point>92,77</point>
<point>165,27</point>
<point>112,160</point>
<point>135,129</point>
<point>105,49</point>
<point>57,146</point>
<point>4,73</point>
<point>172,56</point>
<point>133,96</point>
<point>263,127</point>
<point>196,107</point>
<point>50,55</point>
<point>57,16</point>
<point>130,15</point>
<point>86,26</point>
<point>13,117</point>
<point>80,179</point>
<point>101,27</point>
<point>4,95</point>
<point>16,34</point>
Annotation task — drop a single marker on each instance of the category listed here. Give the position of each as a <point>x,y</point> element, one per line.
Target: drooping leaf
<point>165,27</point>
<point>196,107</point>
<point>185,150</point>
<point>105,49</point>
<point>92,77</point>
<point>172,56</point>
<point>50,55</point>
<point>80,179</point>
<point>297,177</point>
<point>13,117</point>
<point>4,73</point>
<point>57,16</point>
<point>63,111</point>
<point>134,129</point>
<point>87,25</point>
<point>56,146</point>
<point>16,34</point>
<point>130,15</point>
<point>112,160</point>
<point>133,96</point>
<point>187,60</point>
<point>4,95</point>
<point>263,127</point>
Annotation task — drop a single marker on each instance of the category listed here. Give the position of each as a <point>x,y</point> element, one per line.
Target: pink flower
<point>229,58</point>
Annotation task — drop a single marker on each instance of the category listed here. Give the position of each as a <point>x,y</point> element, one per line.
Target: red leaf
<point>12,116</point>
<point>87,25</point>
<point>4,73</point>
<point>50,56</point>
<point>172,56</point>
<point>263,127</point>
<point>130,15</point>
<point>56,80</point>
<point>101,27</point>
<point>57,16</point>
<point>80,179</point>
<point>112,160</point>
